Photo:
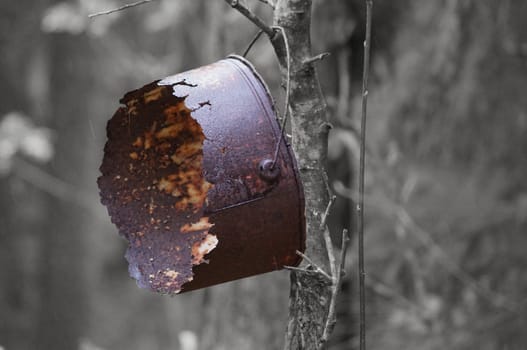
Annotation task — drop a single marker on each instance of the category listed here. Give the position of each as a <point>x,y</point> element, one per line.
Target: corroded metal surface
<point>186,179</point>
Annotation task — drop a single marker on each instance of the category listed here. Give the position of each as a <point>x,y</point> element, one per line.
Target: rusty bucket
<point>189,181</point>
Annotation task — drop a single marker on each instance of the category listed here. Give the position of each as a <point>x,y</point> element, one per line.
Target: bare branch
<point>392,208</point>
<point>457,271</point>
<point>331,320</point>
<point>327,238</point>
<point>315,266</point>
<point>251,17</point>
<point>124,7</point>
<point>306,272</point>
<point>344,88</point>
<point>331,255</point>
<point>326,213</point>
<point>316,58</point>
<point>268,2</point>
<point>360,205</point>
<point>56,187</point>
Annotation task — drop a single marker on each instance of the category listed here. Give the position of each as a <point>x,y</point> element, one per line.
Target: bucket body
<point>189,181</point>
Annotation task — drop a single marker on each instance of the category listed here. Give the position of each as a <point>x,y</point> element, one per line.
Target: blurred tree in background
<point>446,197</point>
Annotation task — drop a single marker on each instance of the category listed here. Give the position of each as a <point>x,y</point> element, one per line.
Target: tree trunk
<point>62,276</point>
<point>310,294</point>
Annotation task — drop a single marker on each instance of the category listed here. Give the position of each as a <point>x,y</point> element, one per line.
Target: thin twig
<point>426,239</point>
<point>331,254</point>
<point>287,92</point>
<point>301,270</point>
<point>325,216</point>
<point>360,205</point>
<point>124,7</point>
<point>316,58</point>
<point>56,187</point>
<point>344,79</point>
<point>327,238</point>
<point>326,183</point>
<point>297,269</point>
<point>384,290</point>
<point>337,281</point>
<point>390,207</point>
<point>253,41</point>
<point>314,265</point>
<point>268,2</point>
<point>235,4</point>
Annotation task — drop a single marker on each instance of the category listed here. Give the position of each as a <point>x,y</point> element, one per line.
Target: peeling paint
<point>202,224</point>
<point>138,142</point>
<point>202,248</point>
<point>132,107</point>
<point>153,95</point>
<point>171,274</point>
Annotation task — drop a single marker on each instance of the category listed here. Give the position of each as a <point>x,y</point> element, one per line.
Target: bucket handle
<point>267,166</point>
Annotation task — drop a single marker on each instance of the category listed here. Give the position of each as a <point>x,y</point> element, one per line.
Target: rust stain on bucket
<point>185,180</point>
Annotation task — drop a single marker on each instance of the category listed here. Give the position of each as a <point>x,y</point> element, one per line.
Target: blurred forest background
<point>446,200</point>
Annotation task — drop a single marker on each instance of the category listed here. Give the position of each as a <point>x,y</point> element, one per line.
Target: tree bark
<point>310,293</point>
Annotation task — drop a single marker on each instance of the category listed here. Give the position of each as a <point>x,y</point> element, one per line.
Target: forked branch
<point>235,4</point>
